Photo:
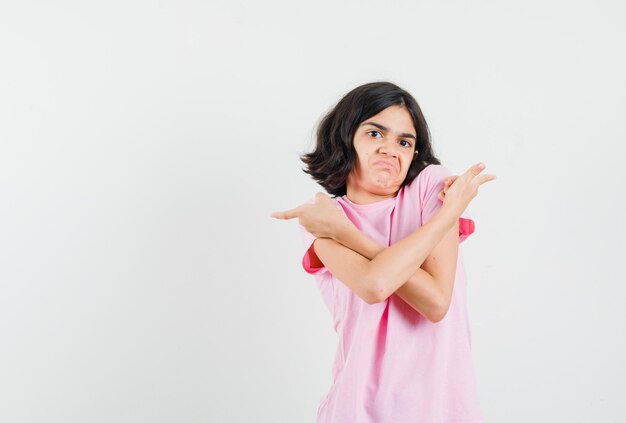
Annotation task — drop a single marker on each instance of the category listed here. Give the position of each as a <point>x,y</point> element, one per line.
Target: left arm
<point>429,290</point>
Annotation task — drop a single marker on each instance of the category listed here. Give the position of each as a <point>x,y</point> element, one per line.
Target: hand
<point>321,218</point>
<point>449,180</point>
<point>460,190</point>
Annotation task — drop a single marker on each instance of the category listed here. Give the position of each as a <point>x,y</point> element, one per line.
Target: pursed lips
<point>386,164</point>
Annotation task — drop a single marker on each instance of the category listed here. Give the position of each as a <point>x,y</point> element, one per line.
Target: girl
<point>385,256</point>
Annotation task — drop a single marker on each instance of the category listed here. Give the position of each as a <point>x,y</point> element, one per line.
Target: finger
<point>477,168</point>
<point>481,179</point>
<point>472,171</point>
<point>283,215</point>
<point>287,214</point>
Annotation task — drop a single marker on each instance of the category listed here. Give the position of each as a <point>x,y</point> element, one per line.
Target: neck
<point>366,197</point>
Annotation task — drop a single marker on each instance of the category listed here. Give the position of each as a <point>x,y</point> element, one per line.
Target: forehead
<point>395,119</point>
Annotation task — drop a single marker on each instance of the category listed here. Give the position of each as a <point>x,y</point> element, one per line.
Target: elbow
<point>436,317</point>
<point>439,311</point>
<point>375,292</point>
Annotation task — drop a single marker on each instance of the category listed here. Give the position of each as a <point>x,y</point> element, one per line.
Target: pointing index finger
<point>287,214</point>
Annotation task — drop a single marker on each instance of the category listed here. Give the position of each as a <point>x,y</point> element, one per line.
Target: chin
<point>384,188</point>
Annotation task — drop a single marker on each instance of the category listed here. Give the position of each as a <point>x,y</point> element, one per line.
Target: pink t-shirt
<point>392,365</point>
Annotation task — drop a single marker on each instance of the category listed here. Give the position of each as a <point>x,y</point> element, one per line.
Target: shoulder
<point>432,176</point>
<point>435,172</point>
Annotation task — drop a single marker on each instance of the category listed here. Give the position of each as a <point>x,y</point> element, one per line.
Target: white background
<point>143,146</point>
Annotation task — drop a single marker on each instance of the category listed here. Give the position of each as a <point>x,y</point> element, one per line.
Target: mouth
<point>385,164</point>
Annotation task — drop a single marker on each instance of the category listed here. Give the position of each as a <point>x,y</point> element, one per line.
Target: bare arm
<point>434,246</point>
<point>389,269</point>
<point>427,294</point>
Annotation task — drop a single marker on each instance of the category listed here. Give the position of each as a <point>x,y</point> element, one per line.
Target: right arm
<point>375,280</point>
<point>426,291</point>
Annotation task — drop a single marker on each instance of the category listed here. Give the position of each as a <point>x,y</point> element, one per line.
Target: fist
<point>321,218</point>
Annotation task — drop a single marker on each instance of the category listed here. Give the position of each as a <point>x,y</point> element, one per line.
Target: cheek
<point>406,167</point>
<point>363,158</point>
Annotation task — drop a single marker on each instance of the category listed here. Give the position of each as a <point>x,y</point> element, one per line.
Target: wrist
<point>448,216</point>
<point>342,231</point>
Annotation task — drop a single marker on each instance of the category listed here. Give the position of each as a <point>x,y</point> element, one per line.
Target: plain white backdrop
<point>144,144</point>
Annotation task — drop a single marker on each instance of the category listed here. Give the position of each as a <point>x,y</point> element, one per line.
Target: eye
<point>369,132</point>
<point>406,143</point>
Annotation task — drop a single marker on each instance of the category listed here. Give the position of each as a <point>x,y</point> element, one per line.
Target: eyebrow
<point>384,128</point>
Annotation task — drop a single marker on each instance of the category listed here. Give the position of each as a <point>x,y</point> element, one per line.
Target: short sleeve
<point>310,262</point>
<point>466,227</point>
<point>434,181</point>
<point>310,259</point>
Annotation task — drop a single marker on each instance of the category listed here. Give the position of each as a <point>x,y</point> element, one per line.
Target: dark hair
<point>333,158</point>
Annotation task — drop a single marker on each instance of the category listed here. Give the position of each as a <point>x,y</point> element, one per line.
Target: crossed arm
<point>420,268</point>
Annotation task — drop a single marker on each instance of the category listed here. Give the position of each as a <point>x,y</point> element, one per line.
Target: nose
<point>386,148</point>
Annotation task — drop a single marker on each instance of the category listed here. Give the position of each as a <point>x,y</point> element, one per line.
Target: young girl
<point>385,256</point>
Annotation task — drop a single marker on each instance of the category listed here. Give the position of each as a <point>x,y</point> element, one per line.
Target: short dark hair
<point>334,155</point>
